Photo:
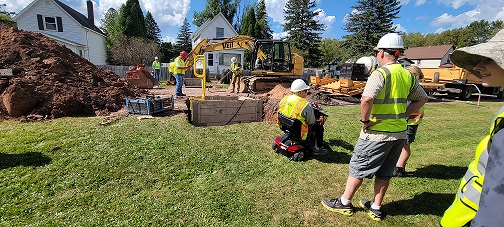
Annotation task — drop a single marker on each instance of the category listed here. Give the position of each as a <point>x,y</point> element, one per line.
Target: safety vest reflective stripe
<point>389,116</point>
<point>390,105</point>
<point>178,62</point>
<point>466,203</point>
<point>390,101</point>
<point>292,106</point>
<point>157,65</point>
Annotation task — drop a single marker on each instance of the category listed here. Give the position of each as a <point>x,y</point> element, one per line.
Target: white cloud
<point>275,10</point>
<point>420,2</point>
<point>14,6</point>
<point>169,39</point>
<point>400,28</point>
<point>280,35</point>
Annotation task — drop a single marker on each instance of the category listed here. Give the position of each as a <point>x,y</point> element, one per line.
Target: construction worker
<point>383,131</point>
<point>479,199</point>
<point>179,71</point>
<point>413,121</point>
<point>156,66</point>
<point>296,106</point>
<point>237,71</point>
<point>171,77</point>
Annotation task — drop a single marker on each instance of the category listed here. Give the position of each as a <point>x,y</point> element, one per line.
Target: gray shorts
<point>411,133</point>
<point>375,158</point>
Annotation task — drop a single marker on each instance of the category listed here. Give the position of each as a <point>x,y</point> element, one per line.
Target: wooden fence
<point>121,70</point>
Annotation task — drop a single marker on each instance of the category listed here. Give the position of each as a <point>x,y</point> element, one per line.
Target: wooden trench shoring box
<point>225,110</point>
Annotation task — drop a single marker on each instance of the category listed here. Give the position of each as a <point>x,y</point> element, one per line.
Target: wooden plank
<point>222,112</point>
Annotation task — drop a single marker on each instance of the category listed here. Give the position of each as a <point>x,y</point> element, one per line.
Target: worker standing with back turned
<point>480,197</point>
<point>383,132</point>
<point>413,121</point>
<point>179,71</point>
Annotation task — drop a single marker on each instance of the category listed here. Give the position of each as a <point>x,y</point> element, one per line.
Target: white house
<point>66,26</point>
<point>216,30</point>
<point>430,56</point>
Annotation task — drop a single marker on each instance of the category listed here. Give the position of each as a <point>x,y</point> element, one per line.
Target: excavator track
<point>254,84</point>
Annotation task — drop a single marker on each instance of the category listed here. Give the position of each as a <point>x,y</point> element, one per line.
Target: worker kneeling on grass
<point>296,106</point>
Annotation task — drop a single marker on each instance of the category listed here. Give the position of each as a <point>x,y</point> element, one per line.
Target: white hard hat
<point>390,41</point>
<point>233,59</point>
<point>156,58</point>
<point>299,85</point>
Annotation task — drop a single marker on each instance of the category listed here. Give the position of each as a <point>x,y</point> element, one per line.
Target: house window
<point>210,59</point>
<point>219,32</point>
<point>50,23</point>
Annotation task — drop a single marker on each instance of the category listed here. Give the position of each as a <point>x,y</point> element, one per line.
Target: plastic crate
<point>149,105</point>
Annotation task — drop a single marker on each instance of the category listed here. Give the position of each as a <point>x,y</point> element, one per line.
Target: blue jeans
<point>157,72</point>
<point>180,80</point>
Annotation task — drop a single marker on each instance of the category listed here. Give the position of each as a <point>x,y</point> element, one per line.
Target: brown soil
<point>270,99</point>
<point>50,81</point>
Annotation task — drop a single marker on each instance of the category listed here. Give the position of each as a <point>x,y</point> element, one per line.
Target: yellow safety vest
<point>171,67</point>
<point>466,203</point>
<point>157,65</point>
<point>292,106</point>
<point>179,62</point>
<point>235,65</point>
<point>390,105</point>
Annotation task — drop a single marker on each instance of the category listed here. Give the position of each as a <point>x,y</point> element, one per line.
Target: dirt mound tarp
<point>52,81</point>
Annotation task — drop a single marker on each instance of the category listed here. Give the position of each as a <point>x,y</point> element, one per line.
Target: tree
<point>110,24</point>
<point>333,50</point>
<point>213,7</point>
<point>263,29</point>
<point>414,40</point>
<point>303,30</point>
<point>133,51</point>
<point>152,29</point>
<point>249,24</point>
<point>6,18</point>
<point>369,21</point>
<point>168,52</point>
<point>131,19</point>
<point>184,37</point>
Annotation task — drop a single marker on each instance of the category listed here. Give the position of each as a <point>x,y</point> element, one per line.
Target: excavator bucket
<point>141,78</point>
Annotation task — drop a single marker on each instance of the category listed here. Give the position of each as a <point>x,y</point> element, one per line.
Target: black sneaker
<point>399,172</point>
<point>320,151</point>
<point>335,205</point>
<point>376,215</point>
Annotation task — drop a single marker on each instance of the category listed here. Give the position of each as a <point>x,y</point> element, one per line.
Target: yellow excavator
<point>271,61</point>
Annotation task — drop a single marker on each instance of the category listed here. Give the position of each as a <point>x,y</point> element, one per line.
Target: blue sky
<point>424,16</point>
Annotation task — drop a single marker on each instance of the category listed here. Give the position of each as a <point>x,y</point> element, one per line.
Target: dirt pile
<point>49,80</point>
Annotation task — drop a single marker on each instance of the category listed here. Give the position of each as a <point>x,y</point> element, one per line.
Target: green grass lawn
<point>166,172</point>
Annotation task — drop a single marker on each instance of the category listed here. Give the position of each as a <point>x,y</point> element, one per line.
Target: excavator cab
<point>272,55</point>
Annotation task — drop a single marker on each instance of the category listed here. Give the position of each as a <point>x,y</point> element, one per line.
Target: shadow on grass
<point>24,159</point>
<point>426,203</point>
<point>333,156</point>
<point>439,172</point>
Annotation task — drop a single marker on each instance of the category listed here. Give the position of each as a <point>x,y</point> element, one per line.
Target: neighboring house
<point>430,56</point>
<point>216,30</point>
<point>66,26</point>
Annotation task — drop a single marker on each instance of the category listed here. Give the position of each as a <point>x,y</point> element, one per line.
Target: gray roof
<point>83,20</point>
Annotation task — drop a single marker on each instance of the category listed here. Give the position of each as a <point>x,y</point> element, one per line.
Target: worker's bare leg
<point>380,187</point>
<point>405,154</point>
<point>351,187</point>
